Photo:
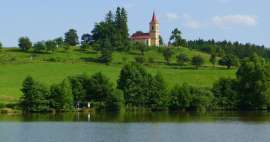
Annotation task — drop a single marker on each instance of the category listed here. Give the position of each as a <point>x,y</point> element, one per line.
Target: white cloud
<point>191,22</point>
<point>229,21</point>
<point>172,16</point>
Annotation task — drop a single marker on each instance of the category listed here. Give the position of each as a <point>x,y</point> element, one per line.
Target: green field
<point>54,67</point>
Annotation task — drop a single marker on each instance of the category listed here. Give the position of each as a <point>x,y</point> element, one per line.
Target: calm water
<point>136,127</point>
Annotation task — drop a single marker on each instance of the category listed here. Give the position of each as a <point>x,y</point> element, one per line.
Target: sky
<point>234,20</point>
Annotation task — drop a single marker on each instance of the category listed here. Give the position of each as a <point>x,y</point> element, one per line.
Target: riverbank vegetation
<point>137,89</point>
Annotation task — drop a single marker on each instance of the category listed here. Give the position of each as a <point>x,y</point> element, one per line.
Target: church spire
<point>154,18</point>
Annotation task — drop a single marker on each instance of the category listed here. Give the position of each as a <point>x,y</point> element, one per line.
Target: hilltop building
<point>151,38</point>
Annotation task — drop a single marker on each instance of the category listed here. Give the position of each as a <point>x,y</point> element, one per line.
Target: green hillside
<point>51,68</point>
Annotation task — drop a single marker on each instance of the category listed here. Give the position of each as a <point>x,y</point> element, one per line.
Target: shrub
<point>140,59</point>
<point>182,59</point>
<point>197,61</point>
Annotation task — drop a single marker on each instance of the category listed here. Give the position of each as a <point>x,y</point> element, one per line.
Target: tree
<point>161,42</point>
<point>253,76</point>
<point>39,47</point>
<point>187,97</point>
<point>1,45</point>
<point>59,42</point>
<point>78,85</point>
<point>86,39</point>
<point>156,90</point>
<point>197,61</point>
<point>61,96</point>
<point>182,59</point>
<point>225,92</point>
<point>115,101</point>
<point>181,97</point>
<point>35,96</point>
<point>167,54</point>
<point>229,61</point>
<point>51,45</point>
<point>132,82</point>
<point>176,38</point>
<point>213,59</point>
<point>99,88</point>
<point>25,43</point>
<point>71,37</point>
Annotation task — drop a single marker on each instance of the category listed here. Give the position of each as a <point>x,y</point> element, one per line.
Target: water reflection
<point>256,117</point>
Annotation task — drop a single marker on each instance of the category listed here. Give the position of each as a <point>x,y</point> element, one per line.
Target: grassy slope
<point>76,62</point>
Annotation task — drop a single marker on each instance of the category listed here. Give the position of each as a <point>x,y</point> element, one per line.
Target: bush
<point>61,96</point>
<point>106,57</point>
<point>186,97</point>
<point>225,92</point>
<point>140,59</point>
<point>39,47</point>
<point>115,101</point>
<point>229,61</point>
<point>197,61</point>
<point>182,59</point>
<point>151,60</point>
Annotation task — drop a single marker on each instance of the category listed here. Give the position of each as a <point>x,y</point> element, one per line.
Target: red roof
<point>140,35</point>
<point>154,18</point>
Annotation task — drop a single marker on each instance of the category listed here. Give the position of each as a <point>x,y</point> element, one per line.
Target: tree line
<point>136,88</point>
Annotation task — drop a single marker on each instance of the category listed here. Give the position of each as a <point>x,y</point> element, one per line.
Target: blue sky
<point>235,20</point>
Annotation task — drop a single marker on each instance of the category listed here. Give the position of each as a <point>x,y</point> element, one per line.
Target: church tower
<point>154,31</point>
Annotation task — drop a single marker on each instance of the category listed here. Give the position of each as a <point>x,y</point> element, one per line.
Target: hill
<point>52,68</point>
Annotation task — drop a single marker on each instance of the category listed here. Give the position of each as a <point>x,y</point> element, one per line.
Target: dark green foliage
<point>176,38</point>
<point>253,76</point>
<point>99,88</point>
<point>59,42</point>
<point>197,61</point>
<point>156,91</point>
<point>186,97</point>
<point>167,54</point>
<point>182,59</point>
<point>141,46</point>
<point>51,45</point>
<point>213,59</point>
<point>161,42</point>
<point>61,96</point>
<point>225,92</point>
<point>132,82</point>
<point>39,47</point>
<point>114,29</point>
<point>142,89</point>
<point>106,57</point>
<point>25,43</point>
<point>71,37</point>
<point>115,101</point>
<point>140,59</point>
<point>79,87</point>
<point>86,39</point>
<point>85,46</point>
<point>35,96</point>
<point>1,45</point>
<point>229,48</point>
<point>229,61</point>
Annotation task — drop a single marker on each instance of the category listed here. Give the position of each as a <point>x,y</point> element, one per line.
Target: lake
<point>137,127</point>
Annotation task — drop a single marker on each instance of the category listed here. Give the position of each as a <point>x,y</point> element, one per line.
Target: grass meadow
<point>50,68</point>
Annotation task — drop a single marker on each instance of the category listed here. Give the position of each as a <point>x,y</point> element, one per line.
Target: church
<point>151,38</point>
